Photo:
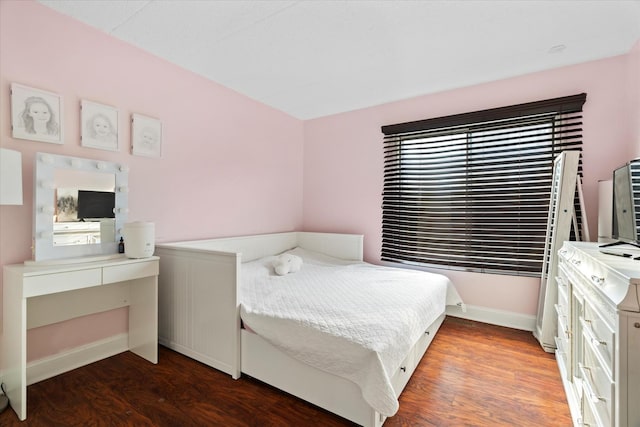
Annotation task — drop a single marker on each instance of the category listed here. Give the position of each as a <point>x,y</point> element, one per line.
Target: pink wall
<point>633,77</point>
<point>232,166</point>
<point>343,170</point>
<point>229,165</point>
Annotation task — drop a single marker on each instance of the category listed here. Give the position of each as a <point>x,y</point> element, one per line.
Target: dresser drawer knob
<point>636,325</point>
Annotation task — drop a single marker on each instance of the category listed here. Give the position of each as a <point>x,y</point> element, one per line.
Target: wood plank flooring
<point>473,374</point>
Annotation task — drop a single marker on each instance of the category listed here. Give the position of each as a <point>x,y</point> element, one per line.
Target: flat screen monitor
<point>96,204</point>
<point>625,206</point>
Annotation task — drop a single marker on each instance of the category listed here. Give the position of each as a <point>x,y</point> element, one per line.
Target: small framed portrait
<point>36,114</point>
<point>99,126</point>
<point>146,136</point>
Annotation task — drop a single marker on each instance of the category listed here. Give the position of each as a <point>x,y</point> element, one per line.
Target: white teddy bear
<point>287,263</point>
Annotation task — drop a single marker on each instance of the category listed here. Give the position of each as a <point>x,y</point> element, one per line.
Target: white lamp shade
<point>10,177</point>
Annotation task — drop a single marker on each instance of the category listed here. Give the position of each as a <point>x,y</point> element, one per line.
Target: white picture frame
<point>36,115</point>
<point>146,136</point>
<point>98,126</point>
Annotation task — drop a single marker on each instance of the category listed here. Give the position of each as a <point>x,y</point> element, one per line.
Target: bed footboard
<point>198,306</point>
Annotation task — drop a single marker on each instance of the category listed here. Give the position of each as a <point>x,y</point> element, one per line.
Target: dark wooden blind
<point>471,191</point>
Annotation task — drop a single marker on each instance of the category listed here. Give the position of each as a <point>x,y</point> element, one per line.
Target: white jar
<point>139,239</point>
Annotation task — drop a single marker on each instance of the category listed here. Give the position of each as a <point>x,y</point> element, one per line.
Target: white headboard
<point>345,246</point>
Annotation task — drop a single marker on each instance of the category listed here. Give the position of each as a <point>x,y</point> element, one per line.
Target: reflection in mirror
<point>80,206</point>
<point>84,207</point>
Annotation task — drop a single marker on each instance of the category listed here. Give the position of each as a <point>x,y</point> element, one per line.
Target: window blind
<point>471,191</point>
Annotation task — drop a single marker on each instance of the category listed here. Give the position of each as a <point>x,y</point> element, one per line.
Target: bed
<point>221,303</point>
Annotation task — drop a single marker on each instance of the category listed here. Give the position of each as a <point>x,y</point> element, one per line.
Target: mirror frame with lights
<point>44,205</point>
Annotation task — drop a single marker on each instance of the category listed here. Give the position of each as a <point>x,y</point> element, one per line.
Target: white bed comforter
<point>352,319</point>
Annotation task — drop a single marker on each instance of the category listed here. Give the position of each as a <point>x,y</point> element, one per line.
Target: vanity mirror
<point>80,207</point>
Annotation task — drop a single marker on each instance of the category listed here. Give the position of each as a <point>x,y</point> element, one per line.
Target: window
<point>471,191</point>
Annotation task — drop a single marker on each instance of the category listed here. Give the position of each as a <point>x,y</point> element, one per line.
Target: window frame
<point>562,117</point>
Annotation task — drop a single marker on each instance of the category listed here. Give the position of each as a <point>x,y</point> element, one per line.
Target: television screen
<point>96,204</point>
<point>624,220</point>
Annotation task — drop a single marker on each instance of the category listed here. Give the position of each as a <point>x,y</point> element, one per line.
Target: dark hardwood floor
<point>473,374</point>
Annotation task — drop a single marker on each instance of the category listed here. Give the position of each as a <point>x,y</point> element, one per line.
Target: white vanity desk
<point>37,295</point>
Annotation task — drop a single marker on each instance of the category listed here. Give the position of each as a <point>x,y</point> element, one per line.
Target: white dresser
<point>37,295</point>
<point>598,336</point>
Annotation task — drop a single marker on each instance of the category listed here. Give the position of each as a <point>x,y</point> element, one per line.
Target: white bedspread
<point>355,320</point>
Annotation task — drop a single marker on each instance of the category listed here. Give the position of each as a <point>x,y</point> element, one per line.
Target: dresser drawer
<point>589,418</point>
<point>562,357</point>
<point>600,336</point>
<point>598,387</point>
<point>563,325</point>
<point>563,292</point>
<point>61,282</point>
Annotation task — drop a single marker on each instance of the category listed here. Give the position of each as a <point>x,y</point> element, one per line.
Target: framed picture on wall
<point>99,126</point>
<point>36,114</point>
<point>146,136</point>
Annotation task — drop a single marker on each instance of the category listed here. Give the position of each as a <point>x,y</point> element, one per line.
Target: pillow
<point>287,263</point>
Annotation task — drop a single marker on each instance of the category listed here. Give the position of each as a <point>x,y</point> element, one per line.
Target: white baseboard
<point>492,316</point>
<point>41,369</point>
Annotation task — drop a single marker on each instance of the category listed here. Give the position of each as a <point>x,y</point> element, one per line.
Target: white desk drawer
<point>61,282</point>
<point>135,270</point>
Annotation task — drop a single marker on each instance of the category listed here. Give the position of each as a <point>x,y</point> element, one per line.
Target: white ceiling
<point>316,58</point>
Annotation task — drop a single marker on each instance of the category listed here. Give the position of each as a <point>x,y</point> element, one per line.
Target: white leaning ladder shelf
<point>562,214</point>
